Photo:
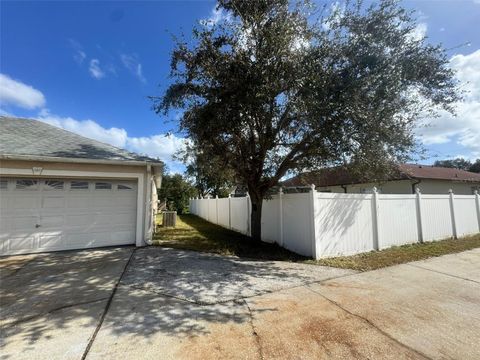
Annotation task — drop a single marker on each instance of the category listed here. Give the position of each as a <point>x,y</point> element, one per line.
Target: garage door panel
<point>52,221</point>
<point>26,223</point>
<point>79,220</point>
<point>26,242</point>
<point>78,202</point>
<point>51,241</point>
<point>53,202</point>
<point>87,216</point>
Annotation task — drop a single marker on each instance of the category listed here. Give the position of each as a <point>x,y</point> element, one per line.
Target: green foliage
<point>209,173</point>
<point>459,163</point>
<point>176,191</point>
<point>276,89</point>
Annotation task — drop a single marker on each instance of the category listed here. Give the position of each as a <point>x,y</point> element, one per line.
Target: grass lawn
<point>194,233</point>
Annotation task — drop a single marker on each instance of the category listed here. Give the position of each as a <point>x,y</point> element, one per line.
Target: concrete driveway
<point>156,303</point>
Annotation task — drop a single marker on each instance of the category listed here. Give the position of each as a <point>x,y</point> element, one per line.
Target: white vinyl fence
<point>320,225</point>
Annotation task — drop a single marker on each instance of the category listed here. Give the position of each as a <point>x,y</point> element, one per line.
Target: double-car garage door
<point>39,215</point>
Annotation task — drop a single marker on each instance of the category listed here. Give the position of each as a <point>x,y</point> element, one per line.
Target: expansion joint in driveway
<point>443,273</point>
<point>14,323</point>
<point>107,307</point>
<point>254,331</point>
<point>366,320</point>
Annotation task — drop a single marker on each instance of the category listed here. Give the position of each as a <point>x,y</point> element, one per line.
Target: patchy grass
<point>194,233</point>
<point>401,254</point>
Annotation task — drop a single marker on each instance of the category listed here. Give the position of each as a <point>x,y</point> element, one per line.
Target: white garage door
<point>60,214</point>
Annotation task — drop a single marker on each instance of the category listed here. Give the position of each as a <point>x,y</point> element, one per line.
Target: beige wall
<point>46,165</point>
<point>405,187</point>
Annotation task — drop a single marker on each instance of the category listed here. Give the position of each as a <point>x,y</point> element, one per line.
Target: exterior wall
<point>145,202</point>
<point>405,187</point>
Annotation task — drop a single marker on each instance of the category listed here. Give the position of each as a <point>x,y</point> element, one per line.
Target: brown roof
<point>341,176</point>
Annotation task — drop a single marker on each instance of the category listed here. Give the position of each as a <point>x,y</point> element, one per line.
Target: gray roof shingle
<point>23,137</point>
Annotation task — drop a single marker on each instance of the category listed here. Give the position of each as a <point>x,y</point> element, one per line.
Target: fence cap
<point>475,192</point>
<point>417,190</point>
<point>450,191</point>
<point>312,187</point>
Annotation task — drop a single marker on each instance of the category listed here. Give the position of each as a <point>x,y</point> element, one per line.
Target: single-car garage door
<point>60,214</point>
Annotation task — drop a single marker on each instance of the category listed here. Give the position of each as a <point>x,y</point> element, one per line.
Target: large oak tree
<point>279,87</point>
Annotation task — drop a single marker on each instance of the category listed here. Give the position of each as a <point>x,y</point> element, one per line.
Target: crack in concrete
<point>254,331</point>
<point>239,298</point>
<point>369,322</point>
<point>443,273</point>
<point>107,307</point>
<point>14,323</point>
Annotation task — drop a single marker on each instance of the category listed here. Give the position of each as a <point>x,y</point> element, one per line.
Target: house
<point>62,191</point>
<point>429,179</point>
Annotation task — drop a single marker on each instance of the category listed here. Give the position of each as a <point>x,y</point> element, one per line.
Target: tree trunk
<point>256,217</point>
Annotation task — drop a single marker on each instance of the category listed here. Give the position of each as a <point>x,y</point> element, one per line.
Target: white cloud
<point>88,128</point>
<point>14,92</point>
<point>79,55</point>
<point>419,32</point>
<point>160,146</point>
<point>465,127</point>
<point>131,63</point>
<point>95,69</point>
<point>217,15</point>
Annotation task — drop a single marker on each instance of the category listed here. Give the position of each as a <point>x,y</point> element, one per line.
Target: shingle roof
<point>341,176</point>
<point>28,137</point>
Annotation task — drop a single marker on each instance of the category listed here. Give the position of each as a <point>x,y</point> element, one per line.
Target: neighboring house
<point>429,179</point>
<point>61,191</point>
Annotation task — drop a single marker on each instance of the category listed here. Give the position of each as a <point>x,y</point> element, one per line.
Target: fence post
<point>280,214</point>
<point>452,213</point>
<point>477,202</point>
<point>376,232</point>
<point>248,214</point>
<point>216,208</point>
<point>313,195</point>
<point>230,211</point>
<point>208,208</point>
<point>419,214</point>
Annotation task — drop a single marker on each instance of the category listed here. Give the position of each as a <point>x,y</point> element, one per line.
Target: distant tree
<point>176,191</point>
<point>275,88</point>
<point>458,163</point>
<point>209,173</point>
<point>475,167</point>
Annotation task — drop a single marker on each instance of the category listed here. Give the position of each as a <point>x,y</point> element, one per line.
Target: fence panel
<point>397,218</point>
<point>344,223</point>
<point>239,217</point>
<point>223,212</point>
<point>436,217</point>
<point>297,234</point>
<point>465,215</point>
<point>271,220</point>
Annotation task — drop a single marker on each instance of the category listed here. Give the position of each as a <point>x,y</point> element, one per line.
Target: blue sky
<point>89,67</point>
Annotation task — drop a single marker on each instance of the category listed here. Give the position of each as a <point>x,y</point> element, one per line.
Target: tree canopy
<point>460,163</point>
<point>279,87</point>
<point>176,192</point>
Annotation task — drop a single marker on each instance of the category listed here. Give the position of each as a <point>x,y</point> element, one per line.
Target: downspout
<point>344,187</point>
<point>414,184</point>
